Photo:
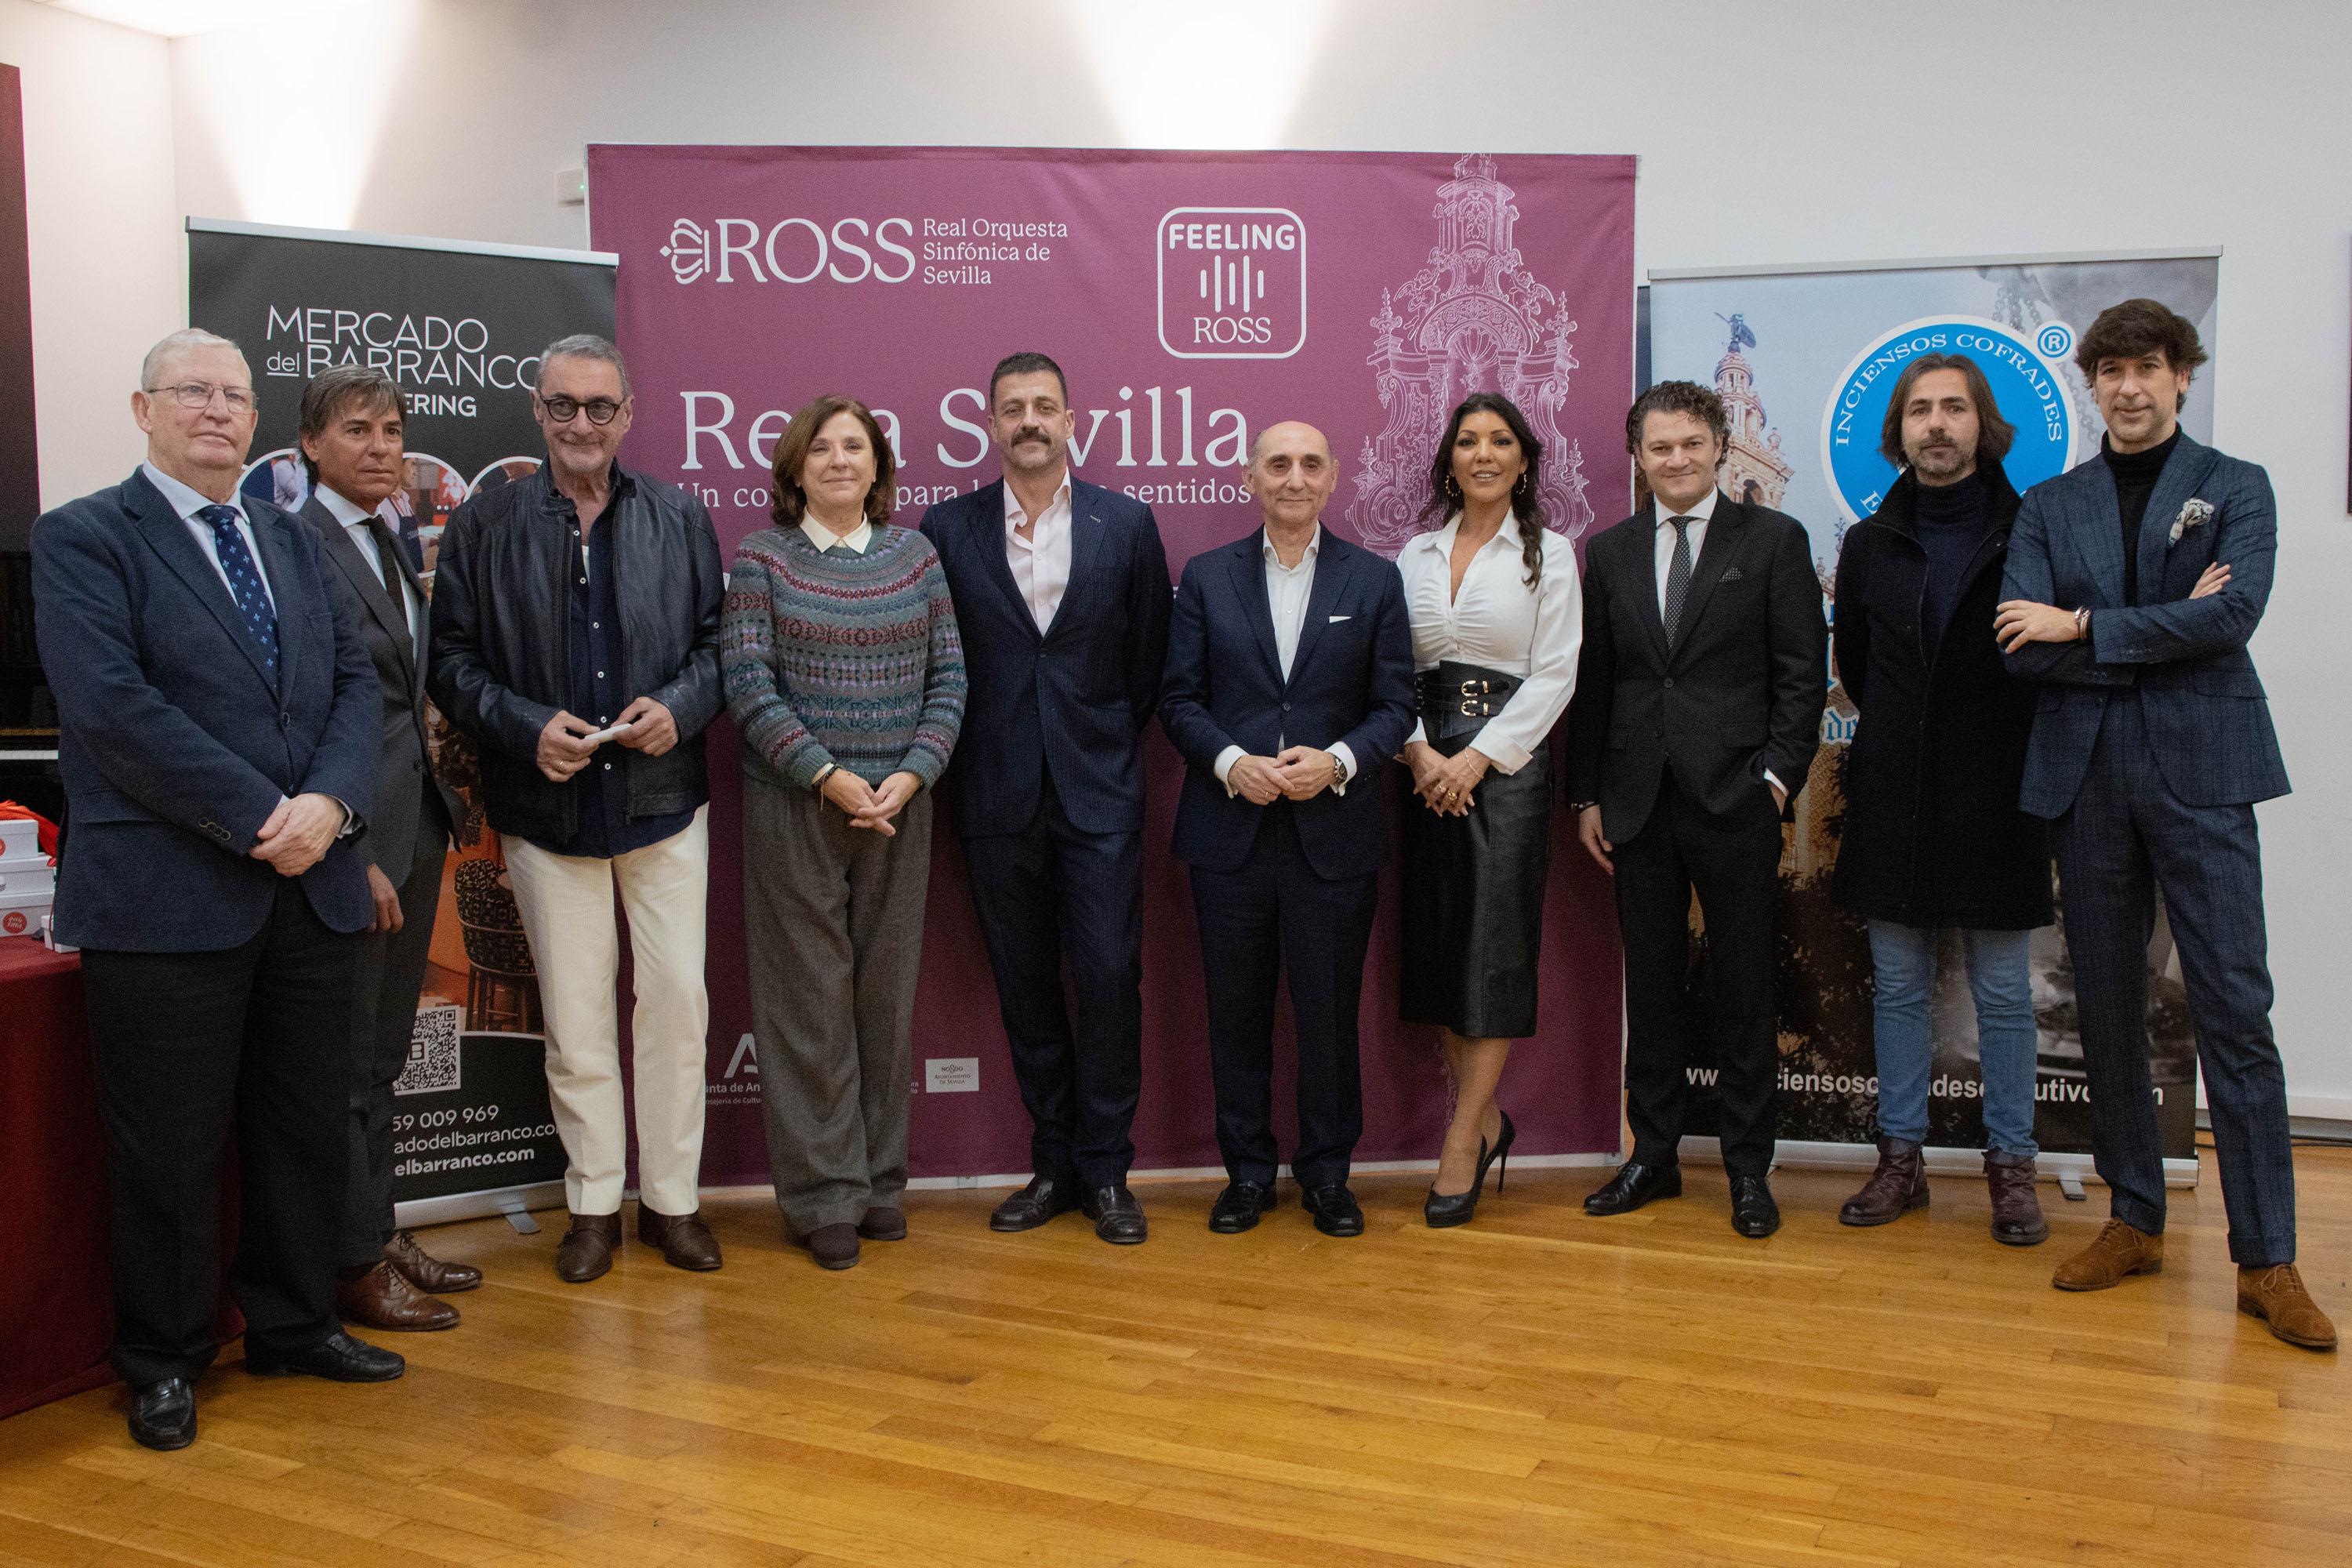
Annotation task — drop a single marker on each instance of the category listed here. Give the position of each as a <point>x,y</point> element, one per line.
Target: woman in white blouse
<point>1497,617</point>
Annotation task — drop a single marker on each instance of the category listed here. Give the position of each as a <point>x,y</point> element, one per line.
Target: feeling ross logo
<point>1233,283</point>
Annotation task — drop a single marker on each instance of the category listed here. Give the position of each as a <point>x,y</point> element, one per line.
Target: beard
<point>1939,461</point>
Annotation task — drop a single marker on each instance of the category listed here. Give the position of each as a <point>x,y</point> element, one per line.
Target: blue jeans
<point>1904,960</point>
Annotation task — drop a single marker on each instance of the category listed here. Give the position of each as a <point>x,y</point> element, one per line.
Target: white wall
<point>108,266</point>
<point>1798,132</point>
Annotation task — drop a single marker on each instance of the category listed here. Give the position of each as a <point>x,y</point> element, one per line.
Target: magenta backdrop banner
<point>1192,299</point>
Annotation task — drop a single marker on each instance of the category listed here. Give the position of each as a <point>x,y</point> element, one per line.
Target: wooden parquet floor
<point>1538,1388</point>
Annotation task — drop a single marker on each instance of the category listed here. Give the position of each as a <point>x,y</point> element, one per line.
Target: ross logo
<point>791,250</point>
<point>2027,387</point>
<point>1233,283</point>
<point>688,250</point>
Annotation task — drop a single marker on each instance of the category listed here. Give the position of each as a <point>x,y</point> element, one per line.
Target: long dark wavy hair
<point>1445,494</point>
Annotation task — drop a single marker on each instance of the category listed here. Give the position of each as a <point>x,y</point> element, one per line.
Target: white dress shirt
<point>1287,589</point>
<point>825,539</point>
<point>187,502</point>
<point>395,581</point>
<point>1041,561</point>
<point>1697,530</point>
<point>1498,621</point>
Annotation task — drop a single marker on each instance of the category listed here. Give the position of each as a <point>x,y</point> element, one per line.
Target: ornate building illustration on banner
<point>1753,470</point>
<point>1473,320</point>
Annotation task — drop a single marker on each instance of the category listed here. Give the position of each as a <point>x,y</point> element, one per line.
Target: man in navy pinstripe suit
<point>2134,583</point>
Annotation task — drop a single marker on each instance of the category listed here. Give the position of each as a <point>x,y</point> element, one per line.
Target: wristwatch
<point>823,773</point>
<point>1579,807</point>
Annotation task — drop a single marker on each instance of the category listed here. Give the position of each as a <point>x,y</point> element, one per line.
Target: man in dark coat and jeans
<point>1934,839</point>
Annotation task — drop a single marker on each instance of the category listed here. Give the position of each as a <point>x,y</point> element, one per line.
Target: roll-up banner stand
<point>1193,299</point>
<point>459,327</point>
<point>1805,358</point>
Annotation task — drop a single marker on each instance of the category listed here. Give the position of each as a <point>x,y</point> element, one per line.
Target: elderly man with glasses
<point>591,767</point>
<point>218,735</point>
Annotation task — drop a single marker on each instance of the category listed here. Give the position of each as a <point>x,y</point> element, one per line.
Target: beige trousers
<point>567,911</point>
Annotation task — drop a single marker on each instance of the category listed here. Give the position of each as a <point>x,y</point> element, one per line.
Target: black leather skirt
<point>1472,919</point>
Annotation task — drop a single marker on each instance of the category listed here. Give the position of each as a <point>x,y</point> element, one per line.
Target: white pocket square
<point>1336,619</point>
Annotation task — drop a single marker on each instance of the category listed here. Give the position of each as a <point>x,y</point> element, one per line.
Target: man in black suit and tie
<point>351,434</point>
<point>217,729</point>
<point>1697,711</point>
<point>1290,673</point>
<point>1061,594</point>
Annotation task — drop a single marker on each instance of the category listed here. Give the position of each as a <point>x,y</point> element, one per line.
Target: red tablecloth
<point>57,1303</point>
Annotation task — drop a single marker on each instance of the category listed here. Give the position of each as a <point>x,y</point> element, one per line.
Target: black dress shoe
<point>1634,1185</point>
<point>163,1415</point>
<point>1118,1218</point>
<point>1753,1212</point>
<point>1035,1204</point>
<point>339,1358</point>
<point>1238,1206</point>
<point>1335,1209</point>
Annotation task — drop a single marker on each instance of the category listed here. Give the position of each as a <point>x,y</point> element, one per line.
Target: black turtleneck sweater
<point>2136,473</point>
<point>1952,520</point>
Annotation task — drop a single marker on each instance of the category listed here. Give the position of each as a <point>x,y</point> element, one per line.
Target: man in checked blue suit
<point>219,736</point>
<point>1061,594</point>
<point>1289,686</point>
<point>2134,583</point>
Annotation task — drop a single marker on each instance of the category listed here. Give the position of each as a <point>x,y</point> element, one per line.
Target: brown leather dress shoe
<point>587,1249</point>
<point>883,1225</point>
<point>384,1299</point>
<point>2276,1296</point>
<point>685,1241</point>
<point>1897,1186</point>
<point>426,1271</point>
<point>2116,1251</point>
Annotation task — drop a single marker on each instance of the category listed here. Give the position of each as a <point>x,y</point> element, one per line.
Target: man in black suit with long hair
<point>1697,711</point>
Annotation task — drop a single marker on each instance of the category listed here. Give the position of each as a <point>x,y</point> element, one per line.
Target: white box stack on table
<point>27,882</point>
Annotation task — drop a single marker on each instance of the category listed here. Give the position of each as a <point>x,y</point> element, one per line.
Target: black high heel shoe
<point>1500,1155</point>
<point>1442,1210</point>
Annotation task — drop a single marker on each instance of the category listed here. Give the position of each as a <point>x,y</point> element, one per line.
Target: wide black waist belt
<point>1456,698</point>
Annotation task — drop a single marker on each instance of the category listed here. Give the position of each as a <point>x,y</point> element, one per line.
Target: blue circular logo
<point>2027,388</point>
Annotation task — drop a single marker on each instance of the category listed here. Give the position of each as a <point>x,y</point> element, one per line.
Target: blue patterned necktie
<point>244,583</point>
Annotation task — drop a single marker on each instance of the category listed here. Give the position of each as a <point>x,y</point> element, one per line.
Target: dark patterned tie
<point>244,582</point>
<point>387,546</point>
<point>1678,574</point>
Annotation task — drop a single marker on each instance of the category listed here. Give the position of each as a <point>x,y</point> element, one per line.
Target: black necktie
<point>386,570</point>
<point>1678,574</point>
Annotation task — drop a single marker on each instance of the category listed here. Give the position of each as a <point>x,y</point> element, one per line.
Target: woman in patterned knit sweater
<point>839,655</point>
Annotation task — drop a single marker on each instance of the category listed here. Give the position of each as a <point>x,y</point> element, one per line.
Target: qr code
<point>432,1065</point>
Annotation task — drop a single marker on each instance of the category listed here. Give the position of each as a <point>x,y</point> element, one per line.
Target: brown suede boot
<point>587,1249</point>
<point>2276,1296</point>
<point>1893,1190</point>
<point>2116,1251</point>
<point>2016,1207</point>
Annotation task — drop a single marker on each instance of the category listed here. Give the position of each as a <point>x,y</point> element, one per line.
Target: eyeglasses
<point>200,395</point>
<point>600,410</point>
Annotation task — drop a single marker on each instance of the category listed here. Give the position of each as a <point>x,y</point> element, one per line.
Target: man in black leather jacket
<point>575,638</point>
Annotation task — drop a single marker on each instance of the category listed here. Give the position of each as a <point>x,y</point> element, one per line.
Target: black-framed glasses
<point>600,410</point>
<point>200,395</point>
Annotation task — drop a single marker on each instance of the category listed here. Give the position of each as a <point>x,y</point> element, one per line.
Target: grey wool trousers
<point>834,918</point>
